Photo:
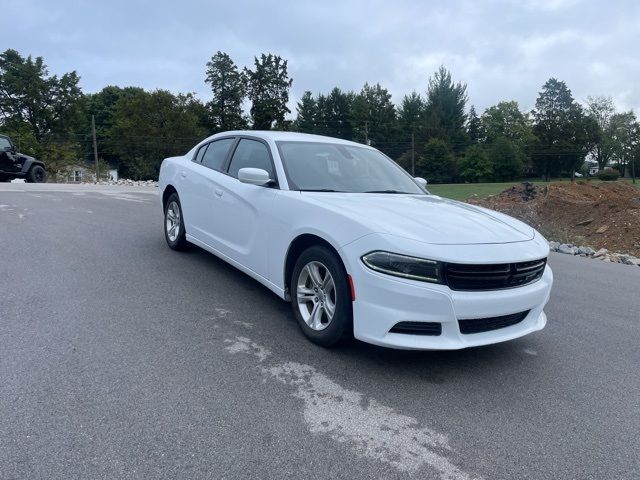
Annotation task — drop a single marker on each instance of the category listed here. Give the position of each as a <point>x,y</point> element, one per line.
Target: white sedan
<point>356,244</point>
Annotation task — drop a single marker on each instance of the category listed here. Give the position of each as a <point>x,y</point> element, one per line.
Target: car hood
<point>425,218</point>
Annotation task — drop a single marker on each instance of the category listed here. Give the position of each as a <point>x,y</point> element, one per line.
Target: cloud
<point>503,49</point>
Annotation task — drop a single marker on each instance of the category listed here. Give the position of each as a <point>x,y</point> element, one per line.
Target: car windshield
<point>329,167</point>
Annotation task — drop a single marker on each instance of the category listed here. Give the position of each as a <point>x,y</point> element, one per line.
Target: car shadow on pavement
<point>280,333</point>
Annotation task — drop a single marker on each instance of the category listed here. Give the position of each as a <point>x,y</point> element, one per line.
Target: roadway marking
<point>370,429</point>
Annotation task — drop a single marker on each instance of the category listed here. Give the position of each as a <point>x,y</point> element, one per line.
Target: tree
<point>505,120</point>
<point>49,104</point>
<point>506,159</point>
<point>268,87</point>
<point>150,126</point>
<point>473,126</point>
<point>334,114</point>
<point>306,113</point>
<point>475,165</point>
<point>601,109</point>
<point>445,117</point>
<point>586,133</point>
<point>623,131</point>
<point>229,86</point>
<point>374,118</point>
<point>410,114</point>
<point>45,111</point>
<point>436,163</point>
<point>558,124</point>
<point>102,106</point>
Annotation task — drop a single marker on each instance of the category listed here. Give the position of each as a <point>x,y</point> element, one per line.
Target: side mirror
<point>421,181</point>
<point>254,176</point>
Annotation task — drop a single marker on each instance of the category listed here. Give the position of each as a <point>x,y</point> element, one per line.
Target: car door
<point>199,187</point>
<point>6,156</point>
<point>244,209</point>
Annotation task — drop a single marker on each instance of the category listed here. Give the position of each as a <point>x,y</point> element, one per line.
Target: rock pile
<point>130,183</point>
<point>601,254</point>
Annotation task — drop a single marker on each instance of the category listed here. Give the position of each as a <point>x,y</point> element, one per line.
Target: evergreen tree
<point>307,111</point>
<point>410,114</point>
<point>445,117</point>
<point>473,126</point>
<point>553,116</point>
<point>336,114</point>
<point>374,118</point>
<point>268,87</point>
<point>228,86</point>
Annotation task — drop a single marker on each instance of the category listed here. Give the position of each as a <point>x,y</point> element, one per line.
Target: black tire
<point>37,174</point>
<point>179,241</point>
<point>341,324</point>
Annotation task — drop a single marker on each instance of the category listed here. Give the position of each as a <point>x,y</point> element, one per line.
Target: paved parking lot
<point>120,358</point>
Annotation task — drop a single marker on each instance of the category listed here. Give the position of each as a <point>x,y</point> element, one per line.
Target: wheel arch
<point>168,191</point>
<point>31,162</point>
<point>298,245</point>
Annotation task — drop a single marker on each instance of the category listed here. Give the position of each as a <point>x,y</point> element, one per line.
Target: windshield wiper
<point>387,191</point>
<point>320,190</point>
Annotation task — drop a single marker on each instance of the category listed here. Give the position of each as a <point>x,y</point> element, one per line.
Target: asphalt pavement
<point>120,358</point>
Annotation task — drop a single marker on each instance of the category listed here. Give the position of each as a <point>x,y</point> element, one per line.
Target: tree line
<point>434,134</point>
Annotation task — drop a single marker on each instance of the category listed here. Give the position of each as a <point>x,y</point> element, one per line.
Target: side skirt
<point>271,286</point>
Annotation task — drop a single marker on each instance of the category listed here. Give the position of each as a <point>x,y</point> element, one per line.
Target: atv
<point>17,165</point>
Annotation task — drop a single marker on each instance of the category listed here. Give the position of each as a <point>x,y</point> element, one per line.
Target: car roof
<point>279,136</point>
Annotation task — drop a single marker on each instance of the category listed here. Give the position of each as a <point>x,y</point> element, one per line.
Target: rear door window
<point>216,153</point>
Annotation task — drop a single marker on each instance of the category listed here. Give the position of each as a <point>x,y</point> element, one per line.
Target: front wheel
<point>174,232</point>
<point>320,296</point>
<point>36,174</point>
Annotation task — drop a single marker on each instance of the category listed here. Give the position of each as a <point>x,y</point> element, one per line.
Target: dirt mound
<point>604,215</point>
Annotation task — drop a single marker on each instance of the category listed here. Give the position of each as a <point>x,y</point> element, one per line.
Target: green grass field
<point>462,191</point>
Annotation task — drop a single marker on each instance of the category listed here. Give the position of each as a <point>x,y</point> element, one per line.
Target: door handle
<point>218,192</point>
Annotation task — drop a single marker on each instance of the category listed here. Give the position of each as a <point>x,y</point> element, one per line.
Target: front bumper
<point>382,301</point>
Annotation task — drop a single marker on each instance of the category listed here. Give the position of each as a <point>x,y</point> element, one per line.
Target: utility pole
<point>413,154</point>
<point>95,147</point>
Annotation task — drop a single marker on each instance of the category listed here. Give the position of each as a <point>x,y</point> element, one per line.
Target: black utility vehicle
<point>16,165</point>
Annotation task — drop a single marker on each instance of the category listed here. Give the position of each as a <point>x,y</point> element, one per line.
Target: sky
<point>502,49</point>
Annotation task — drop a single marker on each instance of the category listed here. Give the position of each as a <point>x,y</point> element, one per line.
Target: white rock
<point>600,253</point>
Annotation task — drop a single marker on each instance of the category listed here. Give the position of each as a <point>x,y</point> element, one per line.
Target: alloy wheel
<point>316,295</point>
<point>172,223</point>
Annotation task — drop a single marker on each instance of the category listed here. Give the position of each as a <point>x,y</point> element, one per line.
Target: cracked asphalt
<point>120,358</point>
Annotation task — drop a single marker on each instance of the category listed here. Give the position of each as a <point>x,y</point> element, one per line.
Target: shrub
<point>475,166</point>
<point>608,175</point>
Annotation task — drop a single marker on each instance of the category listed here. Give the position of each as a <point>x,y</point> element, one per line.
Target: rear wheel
<point>36,174</point>
<point>320,296</point>
<point>174,232</point>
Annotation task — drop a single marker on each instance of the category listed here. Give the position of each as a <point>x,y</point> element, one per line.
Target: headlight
<point>404,266</point>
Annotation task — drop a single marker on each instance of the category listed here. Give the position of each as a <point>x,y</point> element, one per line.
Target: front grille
<point>479,325</point>
<point>417,328</point>
<point>461,276</point>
